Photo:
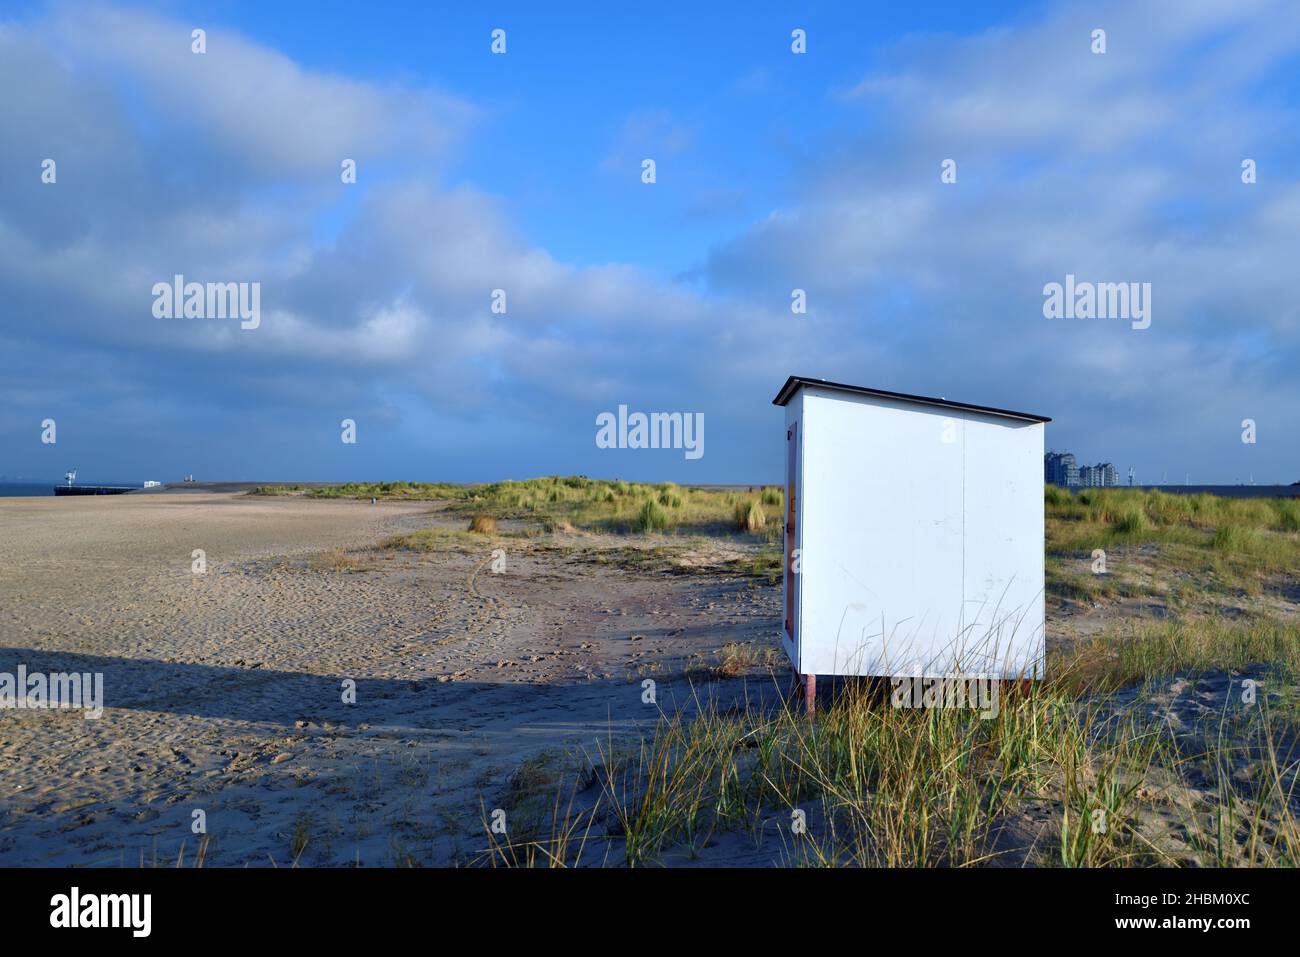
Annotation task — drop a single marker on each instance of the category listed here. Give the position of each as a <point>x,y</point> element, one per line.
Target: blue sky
<point>775,171</point>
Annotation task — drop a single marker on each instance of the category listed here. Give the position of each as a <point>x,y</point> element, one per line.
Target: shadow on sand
<point>255,694</point>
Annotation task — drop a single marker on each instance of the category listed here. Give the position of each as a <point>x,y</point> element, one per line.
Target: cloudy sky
<point>775,171</point>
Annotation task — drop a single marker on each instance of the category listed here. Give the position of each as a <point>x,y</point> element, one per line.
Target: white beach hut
<point>914,536</point>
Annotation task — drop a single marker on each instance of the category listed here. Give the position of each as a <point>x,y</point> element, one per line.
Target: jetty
<point>93,489</point>
<point>71,489</point>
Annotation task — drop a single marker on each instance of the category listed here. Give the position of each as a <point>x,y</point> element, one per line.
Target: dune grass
<point>613,506</point>
<point>1231,545</point>
<point>653,517</point>
<point>577,502</point>
<point>1141,651</point>
<point>1050,780</point>
<point>410,491</point>
<point>748,516</point>
<point>1126,513</point>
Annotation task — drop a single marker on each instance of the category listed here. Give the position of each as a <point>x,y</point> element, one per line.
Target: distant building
<point>1061,468</point>
<point>1103,475</point>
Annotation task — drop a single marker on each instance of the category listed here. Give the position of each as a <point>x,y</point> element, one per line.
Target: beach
<point>224,690</point>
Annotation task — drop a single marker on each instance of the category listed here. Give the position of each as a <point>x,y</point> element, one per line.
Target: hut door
<point>791,493</point>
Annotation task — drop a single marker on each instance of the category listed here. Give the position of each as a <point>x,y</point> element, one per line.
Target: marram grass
<point>1052,780</point>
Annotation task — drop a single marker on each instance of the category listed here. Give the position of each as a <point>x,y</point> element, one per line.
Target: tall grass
<point>1048,780</point>
<point>1139,651</point>
<point>652,518</point>
<point>1163,509</point>
<point>1242,542</point>
<point>1130,521</point>
<point>575,501</point>
<point>1235,538</point>
<point>749,516</point>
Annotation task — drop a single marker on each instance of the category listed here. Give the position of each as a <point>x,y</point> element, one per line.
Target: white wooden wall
<point>921,539</point>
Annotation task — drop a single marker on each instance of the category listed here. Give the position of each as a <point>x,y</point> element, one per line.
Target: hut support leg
<point>1020,687</point>
<point>803,688</point>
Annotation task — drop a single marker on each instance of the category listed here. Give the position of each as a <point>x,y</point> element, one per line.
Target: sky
<point>522,171</point>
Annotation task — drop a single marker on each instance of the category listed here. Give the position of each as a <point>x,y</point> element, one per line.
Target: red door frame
<point>791,495</point>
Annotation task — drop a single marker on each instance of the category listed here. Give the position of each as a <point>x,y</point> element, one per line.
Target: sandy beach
<point>224,690</point>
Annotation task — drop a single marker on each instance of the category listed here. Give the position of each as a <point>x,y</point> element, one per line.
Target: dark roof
<point>793,383</point>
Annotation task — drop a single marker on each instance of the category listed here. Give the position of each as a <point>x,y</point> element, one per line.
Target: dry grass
<point>437,540</point>
<point>483,525</point>
<point>736,660</point>
<point>336,560</point>
<point>749,516</point>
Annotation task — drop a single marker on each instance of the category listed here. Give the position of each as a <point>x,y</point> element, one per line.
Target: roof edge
<point>795,382</point>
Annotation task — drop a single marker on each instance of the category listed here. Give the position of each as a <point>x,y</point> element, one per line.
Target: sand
<point>224,690</point>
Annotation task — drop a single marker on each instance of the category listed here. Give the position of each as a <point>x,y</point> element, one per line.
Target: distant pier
<point>93,489</point>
